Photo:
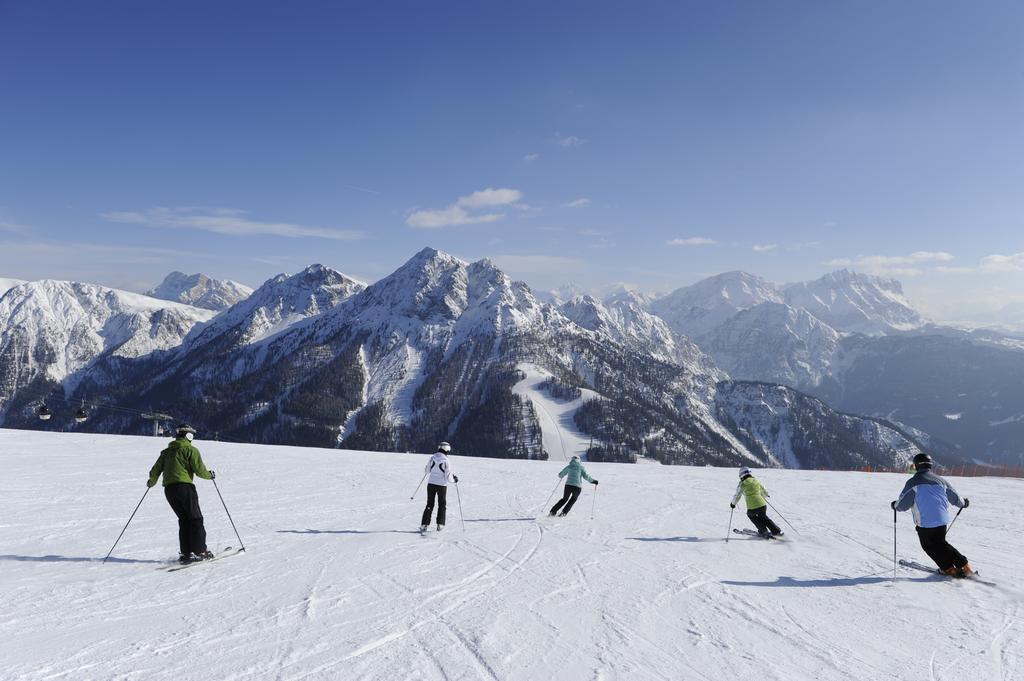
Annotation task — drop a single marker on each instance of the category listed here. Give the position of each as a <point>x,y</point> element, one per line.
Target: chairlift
<point>81,415</point>
<point>44,413</point>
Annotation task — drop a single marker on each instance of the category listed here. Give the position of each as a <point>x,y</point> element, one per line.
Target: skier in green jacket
<point>178,463</point>
<point>575,471</point>
<point>755,495</point>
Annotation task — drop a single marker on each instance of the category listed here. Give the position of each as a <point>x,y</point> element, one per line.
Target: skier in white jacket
<point>437,486</point>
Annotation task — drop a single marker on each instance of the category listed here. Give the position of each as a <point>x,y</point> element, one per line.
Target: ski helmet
<point>922,462</point>
<point>444,447</point>
<point>744,472</point>
<point>186,431</point>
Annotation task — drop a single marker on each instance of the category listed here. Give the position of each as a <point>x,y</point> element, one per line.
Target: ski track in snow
<point>337,584</point>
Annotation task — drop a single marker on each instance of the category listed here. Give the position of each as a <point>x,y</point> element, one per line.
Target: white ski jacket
<point>439,469</point>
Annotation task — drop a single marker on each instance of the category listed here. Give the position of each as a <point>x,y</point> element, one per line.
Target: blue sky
<point>653,143</point>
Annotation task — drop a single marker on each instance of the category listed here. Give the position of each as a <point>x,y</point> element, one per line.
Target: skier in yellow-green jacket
<point>178,463</point>
<point>754,493</point>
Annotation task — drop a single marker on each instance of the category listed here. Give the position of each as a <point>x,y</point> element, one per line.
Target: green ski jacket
<point>178,463</point>
<point>753,492</point>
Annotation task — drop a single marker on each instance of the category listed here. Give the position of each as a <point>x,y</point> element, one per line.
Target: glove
<point>732,505</point>
<point>594,481</point>
<point>213,476</point>
<point>456,479</point>
<point>967,502</point>
<point>150,483</point>
<point>893,505</point>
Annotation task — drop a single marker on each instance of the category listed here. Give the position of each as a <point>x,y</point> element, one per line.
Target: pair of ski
<point>751,533</point>
<point>913,564</point>
<point>228,551</point>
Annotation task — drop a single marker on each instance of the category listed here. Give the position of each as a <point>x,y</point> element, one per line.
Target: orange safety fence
<point>969,470</point>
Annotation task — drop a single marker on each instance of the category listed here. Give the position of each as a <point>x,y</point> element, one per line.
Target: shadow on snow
<point>74,559</point>
<point>685,539</point>
<point>307,531</point>
<point>836,581</point>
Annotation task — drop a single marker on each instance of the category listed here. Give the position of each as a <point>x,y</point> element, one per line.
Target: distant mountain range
<point>731,370</point>
<point>856,342</point>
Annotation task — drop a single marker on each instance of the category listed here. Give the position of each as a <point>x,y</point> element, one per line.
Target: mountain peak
<point>698,308</point>
<point>853,301</point>
<point>199,290</point>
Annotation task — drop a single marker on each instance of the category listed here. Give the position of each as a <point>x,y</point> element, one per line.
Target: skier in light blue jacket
<point>575,472</point>
<point>930,497</point>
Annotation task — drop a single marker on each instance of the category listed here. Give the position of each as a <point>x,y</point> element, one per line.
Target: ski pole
<point>459,497</point>
<point>729,531</point>
<point>214,481</point>
<point>954,519</point>
<point>557,483</point>
<point>418,487</point>
<point>127,524</point>
<point>894,544</point>
<point>593,504</point>
<point>783,517</point>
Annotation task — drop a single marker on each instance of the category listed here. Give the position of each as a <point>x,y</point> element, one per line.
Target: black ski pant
<point>184,502</point>
<point>933,541</point>
<point>569,497</point>
<point>764,524</point>
<point>441,493</point>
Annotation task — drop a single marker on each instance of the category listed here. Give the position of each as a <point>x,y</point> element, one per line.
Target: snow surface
<point>336,585</point>
<point>561,437</point>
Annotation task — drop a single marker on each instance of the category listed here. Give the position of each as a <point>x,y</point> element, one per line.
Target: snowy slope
<point>335,585</point>
<point>562,438</point>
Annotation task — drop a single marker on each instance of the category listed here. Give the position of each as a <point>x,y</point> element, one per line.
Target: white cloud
<point>691,241</point>
<point>485,198</point>
<point>448,217</point>
<point>581,202</point>
<point>13,227</point>
<point>1003,263</point>
<point>570,141</point>
<point>530,158</point>
<point>459,213</point>
<point>538,264</point>
<point>762,248</point>
<point>893,265</point>
<point>224,221</point>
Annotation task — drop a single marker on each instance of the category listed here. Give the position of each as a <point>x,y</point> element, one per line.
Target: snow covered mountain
<point>200,290</point>
<point>789,429</point>
<point>856,342</point>
<point>852,302</point>
<point>560,295</point>
<point>275,306</point>
<point>774,342</point>
<point>54,332</point>
<point>624,319</point>
<point>963,388</point>
<point>699,309</point>
<point>445,349</point>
